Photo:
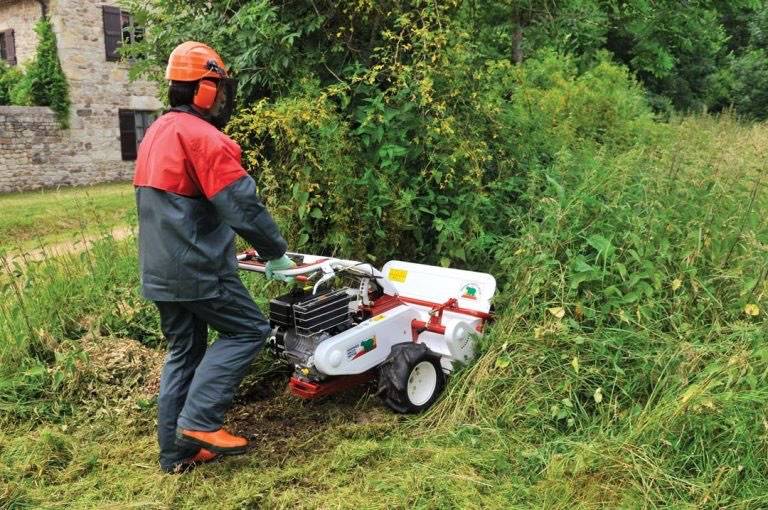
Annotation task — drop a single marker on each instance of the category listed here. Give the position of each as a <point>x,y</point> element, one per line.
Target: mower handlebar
<point>315,264</point>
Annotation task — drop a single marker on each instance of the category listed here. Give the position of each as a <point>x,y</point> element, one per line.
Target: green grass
<point>649,392</point>
<point>40,218</point>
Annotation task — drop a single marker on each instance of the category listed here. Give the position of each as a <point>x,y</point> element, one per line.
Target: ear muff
<point>205,94</point>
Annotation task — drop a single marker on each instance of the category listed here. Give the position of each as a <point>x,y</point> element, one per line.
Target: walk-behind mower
<point>347,323</point>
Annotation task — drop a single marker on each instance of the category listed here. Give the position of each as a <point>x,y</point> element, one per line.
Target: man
<point>192,196</point>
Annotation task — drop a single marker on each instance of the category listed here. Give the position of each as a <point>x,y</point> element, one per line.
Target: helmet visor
<point>224,104</point>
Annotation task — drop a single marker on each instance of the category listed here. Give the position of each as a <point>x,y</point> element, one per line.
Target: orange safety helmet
<point>194,61</point>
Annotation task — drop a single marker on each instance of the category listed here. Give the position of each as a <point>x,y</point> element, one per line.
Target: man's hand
<point>280,264</point>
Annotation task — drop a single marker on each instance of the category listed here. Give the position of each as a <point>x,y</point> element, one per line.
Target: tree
<point>741,82</point>
<point>518,28</point>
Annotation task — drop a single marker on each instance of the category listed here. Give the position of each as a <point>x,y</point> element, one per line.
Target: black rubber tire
<point>394,374</point>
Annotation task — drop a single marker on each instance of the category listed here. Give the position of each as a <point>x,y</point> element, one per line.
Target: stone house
<point>109,113</point>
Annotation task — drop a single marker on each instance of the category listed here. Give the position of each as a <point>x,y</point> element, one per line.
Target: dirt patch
<point>281,425</point>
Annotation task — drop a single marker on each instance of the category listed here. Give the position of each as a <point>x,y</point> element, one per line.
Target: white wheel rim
<point>422,383</point>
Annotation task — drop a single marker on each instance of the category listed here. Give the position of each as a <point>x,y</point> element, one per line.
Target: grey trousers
<point>198,381</point>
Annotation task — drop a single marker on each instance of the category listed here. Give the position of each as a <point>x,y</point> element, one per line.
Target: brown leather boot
<point>219,441</point>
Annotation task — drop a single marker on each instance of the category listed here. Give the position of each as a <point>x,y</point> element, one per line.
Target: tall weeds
<point>629,329</point>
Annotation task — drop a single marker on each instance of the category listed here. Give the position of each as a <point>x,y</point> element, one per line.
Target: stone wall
<point>21,16</point>
<point>35,153</point>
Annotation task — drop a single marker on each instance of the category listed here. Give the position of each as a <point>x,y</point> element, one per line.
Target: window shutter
<point>127,135</point>
<point>113,31</point>
<point>10,47</point>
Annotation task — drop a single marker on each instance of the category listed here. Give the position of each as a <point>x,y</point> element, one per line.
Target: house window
<point>119,28</point>
<point>133,126</point>
<point>8,46</point>
<point>132,33</point>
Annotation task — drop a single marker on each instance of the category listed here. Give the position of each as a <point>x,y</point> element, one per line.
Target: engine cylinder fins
<point>304,344</point>
<point>303,321</point>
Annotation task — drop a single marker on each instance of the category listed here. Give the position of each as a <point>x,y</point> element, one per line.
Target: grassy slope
<point>41,218</point>
<point>679,420</point>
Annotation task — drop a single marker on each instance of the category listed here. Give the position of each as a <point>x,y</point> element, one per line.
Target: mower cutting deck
<point>406,324</point>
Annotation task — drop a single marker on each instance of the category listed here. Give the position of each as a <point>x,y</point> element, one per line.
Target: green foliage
<point>46,81</point>
<point>630,283</point>
<point>303,154</point>
<point>9,77</point>
<point>745,72</point>
<point>739,83</point>
<point>43,83</point>
<point>269,47</point>
<point>14,86</point>
<point>21,94</point>
<point>678,51</point>
<point>423,168</point>
<point>673,47</point>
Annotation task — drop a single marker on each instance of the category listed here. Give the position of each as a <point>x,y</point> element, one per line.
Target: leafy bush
<point>302,151</point>
<point>9,79</point>
<point>44,83</point>
<point>14,86</point>
<point>20,93</point>
<point>425,173</point>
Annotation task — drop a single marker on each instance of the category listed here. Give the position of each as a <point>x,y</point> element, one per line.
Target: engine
<point>302,320</point>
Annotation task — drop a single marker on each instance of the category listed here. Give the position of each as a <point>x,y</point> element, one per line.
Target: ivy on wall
<point>47,83</point>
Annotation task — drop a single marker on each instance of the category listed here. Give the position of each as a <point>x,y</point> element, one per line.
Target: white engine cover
<point>439,284</point>
<point>367,345</point>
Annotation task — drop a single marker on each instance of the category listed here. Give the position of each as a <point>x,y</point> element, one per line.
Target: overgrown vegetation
<point>627,367</point>
<point>43,82</point>
<point>433,176</point>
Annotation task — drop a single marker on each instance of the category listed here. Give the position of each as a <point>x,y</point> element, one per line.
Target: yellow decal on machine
<point>378,318</point>
<point>398,275</point>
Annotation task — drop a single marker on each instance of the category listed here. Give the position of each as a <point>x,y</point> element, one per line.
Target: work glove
<point>280,264</point>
